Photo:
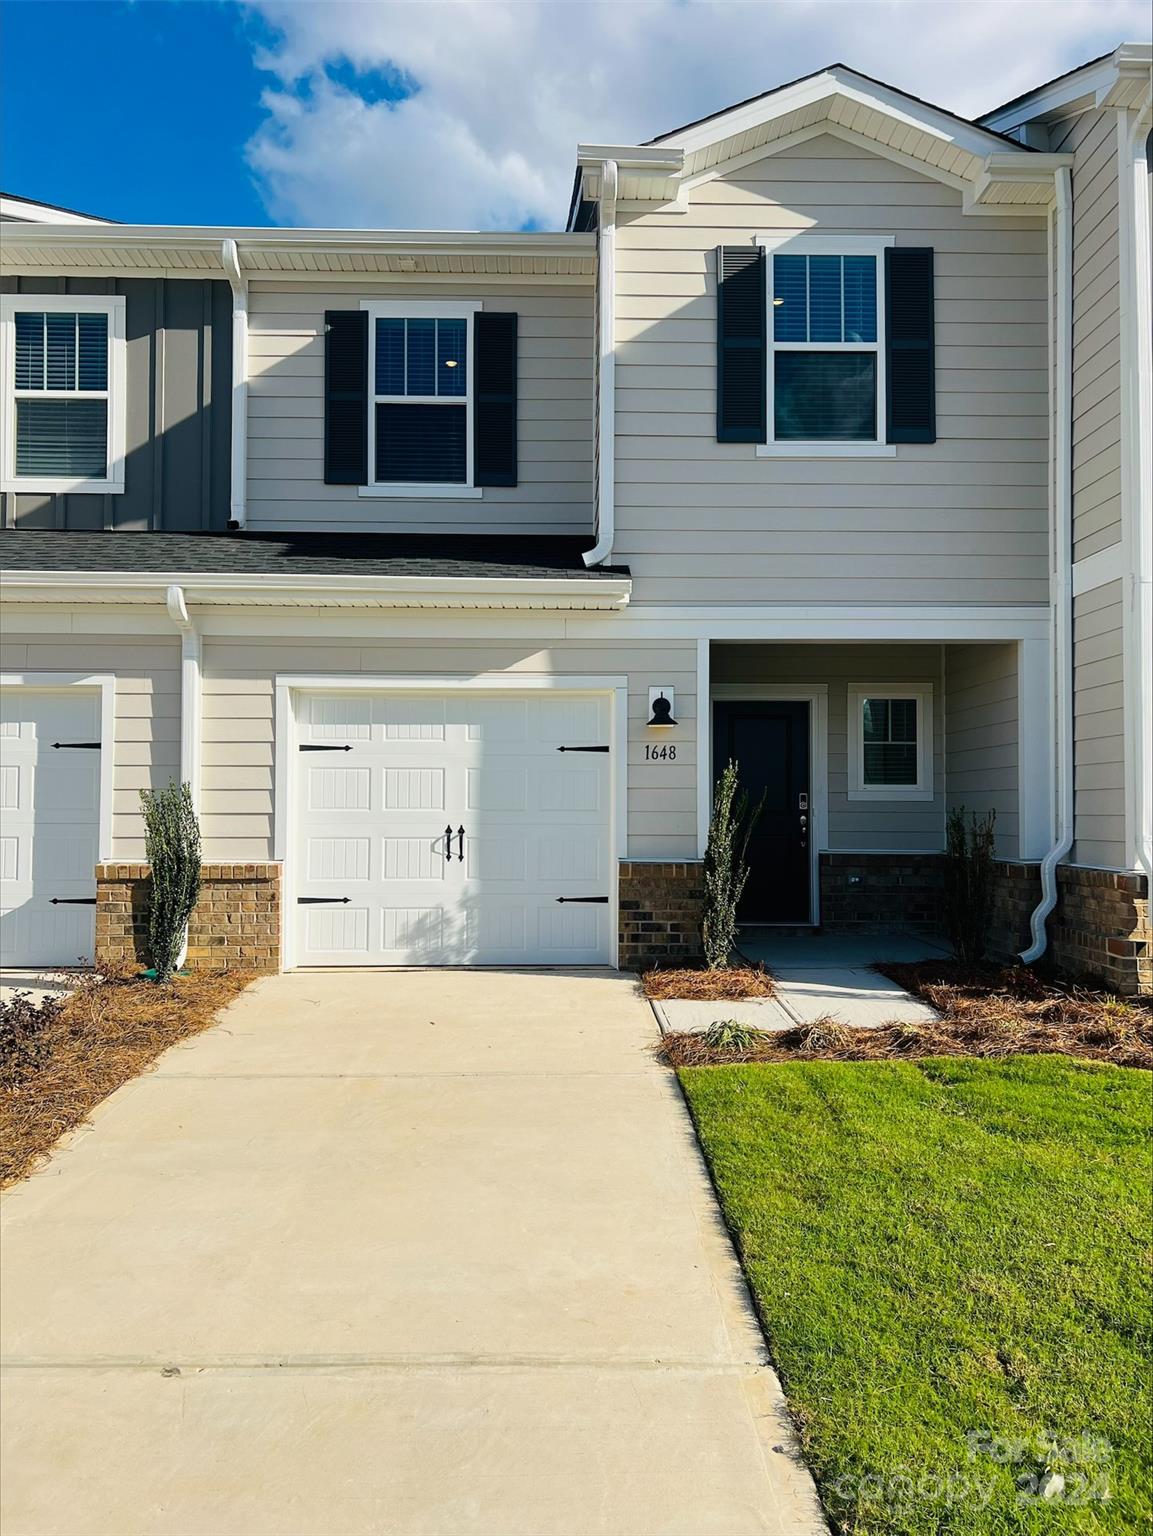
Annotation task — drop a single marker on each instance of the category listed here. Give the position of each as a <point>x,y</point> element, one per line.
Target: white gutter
<point>390,591</point>
<point>237,515</point>
<point>190,700</point>
<point>606,380</point>
<point>1061,592</point>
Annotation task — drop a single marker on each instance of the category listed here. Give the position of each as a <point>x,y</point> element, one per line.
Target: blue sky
<point>450,113</point>
<point>178,98</point>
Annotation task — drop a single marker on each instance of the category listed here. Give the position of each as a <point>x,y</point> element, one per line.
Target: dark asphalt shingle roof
<point>301,554</point>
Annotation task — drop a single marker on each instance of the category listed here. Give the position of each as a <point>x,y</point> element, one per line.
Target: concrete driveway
<point>390,1254</point>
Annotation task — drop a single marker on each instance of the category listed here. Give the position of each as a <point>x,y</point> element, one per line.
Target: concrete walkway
<point>391,1254</point>
<point>818,976</point>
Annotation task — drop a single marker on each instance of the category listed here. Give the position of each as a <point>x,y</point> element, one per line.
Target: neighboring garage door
<point>49,826</point>
<point>452,830</point>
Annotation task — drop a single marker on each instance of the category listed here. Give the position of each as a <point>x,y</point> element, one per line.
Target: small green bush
<point>969,861</point>
<point>172,847</point>
<point>732,1035</point>
<point>726,866</point>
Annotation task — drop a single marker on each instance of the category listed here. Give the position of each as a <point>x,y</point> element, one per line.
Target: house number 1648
<point>662,754</point>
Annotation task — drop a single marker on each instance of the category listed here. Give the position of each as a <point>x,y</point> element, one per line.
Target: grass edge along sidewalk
<point>951,1263</point>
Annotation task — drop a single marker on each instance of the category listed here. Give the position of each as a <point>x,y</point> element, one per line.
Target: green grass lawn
<point>952,1263</point>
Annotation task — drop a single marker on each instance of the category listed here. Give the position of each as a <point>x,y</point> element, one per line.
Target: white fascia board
<point>635,156</point>
<point>841,82</point>
<point>24,209</point>
<point>1005,169</point>
<point>431,591</point>
<point>208,238</point>
<point>1084,88</point>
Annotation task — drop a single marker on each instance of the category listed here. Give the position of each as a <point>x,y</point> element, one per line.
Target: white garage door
<point>49,826</point>
<point>452,830</point>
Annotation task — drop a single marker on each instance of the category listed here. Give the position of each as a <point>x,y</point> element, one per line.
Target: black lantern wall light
<point>661,702</point>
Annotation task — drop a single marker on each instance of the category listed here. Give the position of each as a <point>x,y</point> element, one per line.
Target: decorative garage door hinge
<point>317,901</point>
<point>599,901</point>
<point>73,901</point>
<point>308,746</point>
<point>582,749</point>
<point>77,746</point>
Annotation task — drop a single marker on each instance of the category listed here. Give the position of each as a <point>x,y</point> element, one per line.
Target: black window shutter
<point>346,397</point>
<point>741,344</point>
<point>494,398</point>
<point>910,386</point>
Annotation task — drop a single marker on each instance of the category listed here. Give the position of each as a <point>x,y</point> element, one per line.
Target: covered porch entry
<point>857,751</point>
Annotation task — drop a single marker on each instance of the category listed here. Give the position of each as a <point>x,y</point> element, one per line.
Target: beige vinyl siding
<point>854,825</point>
<point>1091,138</point>
<point>1099,735</point>
<point>981,735</point>
<point>960,520</point>
<point>147,671</point>
<point>239,745</point>
<point>286,489</point>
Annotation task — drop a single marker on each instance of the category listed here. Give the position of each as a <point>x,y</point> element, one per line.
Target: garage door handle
<point>460,844</point>
<point>73,901</point>
<point>318,901</point>
<point>599,901</point>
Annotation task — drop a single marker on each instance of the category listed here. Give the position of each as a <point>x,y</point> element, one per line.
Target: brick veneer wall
<point>236,924</point>
<point>660,914</point>
<point>864,892</point>
<point>1099,927</point>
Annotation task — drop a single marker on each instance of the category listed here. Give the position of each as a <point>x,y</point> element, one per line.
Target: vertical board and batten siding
<point>960,520</point>
<point>146,752</point>
<point>889,826</point>
<point>178,410</point>
<point>1092,140</point>
<point>239,734</point>
<point>286,489</point>
<point>981,716</point>
<point>1098,729</point>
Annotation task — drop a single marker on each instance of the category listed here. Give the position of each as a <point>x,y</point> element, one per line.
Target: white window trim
<point>114,307</point>
<point>803,243</point>
<point>422,309</point>
<point>922,693</point>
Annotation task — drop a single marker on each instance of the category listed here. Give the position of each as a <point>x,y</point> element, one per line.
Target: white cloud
<point>503,89</point>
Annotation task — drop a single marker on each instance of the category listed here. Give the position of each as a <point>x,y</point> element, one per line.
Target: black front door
<point>770,745</point>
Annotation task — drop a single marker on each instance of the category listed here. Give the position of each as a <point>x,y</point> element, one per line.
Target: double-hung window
<point>826,347</point>
<point>62,362</point>
<point>890,743</point>
<point>420,420</point>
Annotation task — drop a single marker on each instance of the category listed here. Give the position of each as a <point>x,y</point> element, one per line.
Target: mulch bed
<point>58,1060</point>
<point>983,1012</point>
<point>709,986</point>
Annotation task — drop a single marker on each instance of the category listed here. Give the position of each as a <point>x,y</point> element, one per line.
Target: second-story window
<point>826,348</point>
<point>63,393</point>
<point>420,421</point>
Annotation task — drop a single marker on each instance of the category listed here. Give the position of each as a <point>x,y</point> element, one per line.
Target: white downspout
<point>1062,574</point>
<point>237,509</point>
<point>190,706</point>
<point>606,365</point>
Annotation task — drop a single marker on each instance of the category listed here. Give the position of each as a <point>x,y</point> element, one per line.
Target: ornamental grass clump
<point>726,866</point>
<point>172,848</point>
